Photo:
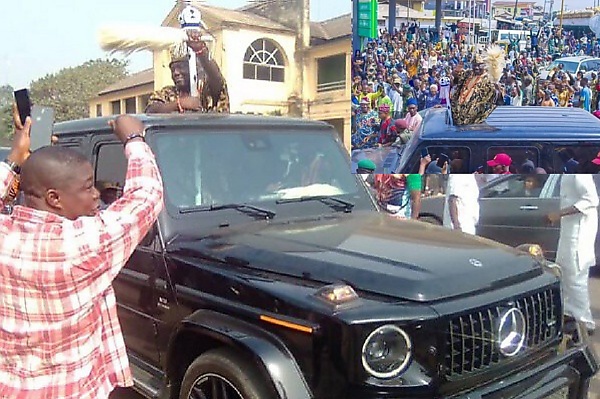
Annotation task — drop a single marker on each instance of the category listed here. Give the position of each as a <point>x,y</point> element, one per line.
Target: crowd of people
<point>409,70</point>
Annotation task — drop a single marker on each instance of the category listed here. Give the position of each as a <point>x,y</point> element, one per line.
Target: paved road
<point>595,299</point>
<point>125,394</point>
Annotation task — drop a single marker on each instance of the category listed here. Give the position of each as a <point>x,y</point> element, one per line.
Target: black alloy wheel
<point>224,374</point>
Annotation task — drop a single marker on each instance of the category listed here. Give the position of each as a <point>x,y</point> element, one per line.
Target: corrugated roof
<point>137,79</point>
<point>214,17</point>
<point>332,28</point>
<point>512,3</point>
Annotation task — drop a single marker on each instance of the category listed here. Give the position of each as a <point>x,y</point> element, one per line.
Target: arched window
<point>264,61</point>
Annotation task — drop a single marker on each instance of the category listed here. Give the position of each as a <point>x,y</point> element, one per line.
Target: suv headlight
<point>386,352</point>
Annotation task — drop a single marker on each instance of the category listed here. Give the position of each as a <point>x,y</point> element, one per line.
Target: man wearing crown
<point>475,93</point>
<point>212,88</point>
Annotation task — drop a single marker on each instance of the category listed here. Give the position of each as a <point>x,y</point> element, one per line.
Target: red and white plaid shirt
<point>59,332</point>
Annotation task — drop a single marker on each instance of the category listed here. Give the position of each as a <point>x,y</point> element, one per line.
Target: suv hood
<point>369,250</point>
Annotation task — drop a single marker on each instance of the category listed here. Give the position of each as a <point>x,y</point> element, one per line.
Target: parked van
<point>504,37</point>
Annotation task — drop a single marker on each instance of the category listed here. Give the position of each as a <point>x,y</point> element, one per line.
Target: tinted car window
<point>525,186</point>
<point>250,167</point>
<point>110,171</point>
<point>524,159</point>
<point>459,158</point>
<point>577,158</point>
<point>111,164</point>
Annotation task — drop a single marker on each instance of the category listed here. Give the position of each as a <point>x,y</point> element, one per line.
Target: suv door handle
<point>528,207</point>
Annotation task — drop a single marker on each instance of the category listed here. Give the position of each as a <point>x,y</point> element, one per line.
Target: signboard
<point>367,18</point>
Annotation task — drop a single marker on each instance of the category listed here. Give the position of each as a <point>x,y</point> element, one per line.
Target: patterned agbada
<point>473,99</point>
<point>366,135</point>
<point>59,332</point>
<point>171,94</point>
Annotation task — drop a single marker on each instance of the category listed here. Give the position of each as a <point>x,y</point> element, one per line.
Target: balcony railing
<point>330,86</point>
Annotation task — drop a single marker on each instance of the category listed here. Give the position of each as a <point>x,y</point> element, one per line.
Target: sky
<point>41,37</point>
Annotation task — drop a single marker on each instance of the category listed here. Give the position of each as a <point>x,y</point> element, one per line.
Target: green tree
<point>6,100</point>
<point>69,90</point>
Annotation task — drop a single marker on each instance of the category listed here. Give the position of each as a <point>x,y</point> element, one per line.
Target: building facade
<point>275,62</point>
<point>523,8</point>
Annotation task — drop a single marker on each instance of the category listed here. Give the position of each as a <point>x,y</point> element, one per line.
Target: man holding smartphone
<point>59,332</point>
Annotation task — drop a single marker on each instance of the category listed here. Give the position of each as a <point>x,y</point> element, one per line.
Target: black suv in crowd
<point>272,274</point>
<point>559,140</point>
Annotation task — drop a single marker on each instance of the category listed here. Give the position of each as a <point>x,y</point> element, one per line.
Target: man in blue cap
<point>413,119</point>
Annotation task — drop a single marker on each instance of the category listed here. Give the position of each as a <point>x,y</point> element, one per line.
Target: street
<point>595,299</point>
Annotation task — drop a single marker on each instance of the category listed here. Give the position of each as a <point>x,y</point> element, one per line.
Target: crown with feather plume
<point>494,60</point>
<point>128,39</point>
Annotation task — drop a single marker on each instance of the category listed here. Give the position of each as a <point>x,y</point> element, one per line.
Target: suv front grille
<point>471,339</point>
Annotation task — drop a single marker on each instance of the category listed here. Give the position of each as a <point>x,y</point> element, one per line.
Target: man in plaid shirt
<point>59,332</point>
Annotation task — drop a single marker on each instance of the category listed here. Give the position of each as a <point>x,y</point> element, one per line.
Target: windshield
<point>570,66</point>
<point>212,169</point>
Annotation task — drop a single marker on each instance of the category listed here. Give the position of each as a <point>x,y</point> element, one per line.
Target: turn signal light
<point>337,293</point>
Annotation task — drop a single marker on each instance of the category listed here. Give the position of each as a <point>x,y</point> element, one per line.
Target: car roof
<point>578,58</point>
<point>91,125</point>
<point>516,123</point>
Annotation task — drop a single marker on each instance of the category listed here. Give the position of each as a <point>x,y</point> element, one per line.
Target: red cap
<point>384,108</point>
<point>597,159</point>
<point>500,159</point>
<point>401,124</point>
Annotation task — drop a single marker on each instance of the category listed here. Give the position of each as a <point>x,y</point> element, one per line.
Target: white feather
<point>494,59</point>
<point>129,39</point>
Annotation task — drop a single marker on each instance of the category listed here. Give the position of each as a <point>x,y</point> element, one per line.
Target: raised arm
<point>106,241</point>
<point>19,153</point>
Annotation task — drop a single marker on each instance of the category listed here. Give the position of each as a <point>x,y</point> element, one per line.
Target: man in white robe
<point>578,218</point>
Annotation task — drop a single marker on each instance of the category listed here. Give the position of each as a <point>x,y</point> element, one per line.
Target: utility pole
<point>355,38</point>
<point>562,11</point>
<point>490,23</point>
<point>392,16</point>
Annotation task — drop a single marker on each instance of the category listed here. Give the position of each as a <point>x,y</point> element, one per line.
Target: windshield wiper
<point>331,201</point>
<point>244,208</point>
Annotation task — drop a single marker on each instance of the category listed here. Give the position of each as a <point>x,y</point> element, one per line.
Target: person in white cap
<point>578,218</point>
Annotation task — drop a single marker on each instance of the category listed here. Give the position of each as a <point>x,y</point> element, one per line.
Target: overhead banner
<point>367,18</point>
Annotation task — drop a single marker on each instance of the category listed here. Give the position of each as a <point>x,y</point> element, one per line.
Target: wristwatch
<point>14,167</point>
<point>134,136</point>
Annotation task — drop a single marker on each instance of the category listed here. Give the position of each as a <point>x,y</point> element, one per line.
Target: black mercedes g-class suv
<point>272,274</point>
<point>558,140</point>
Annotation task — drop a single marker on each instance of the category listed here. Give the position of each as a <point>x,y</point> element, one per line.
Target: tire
<point>430,219</point>
<point>229,368</point>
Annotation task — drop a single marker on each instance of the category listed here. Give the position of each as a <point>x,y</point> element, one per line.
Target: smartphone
<point>42,123</point>
<point>442,159</point>
<point>23,103</point>
<point>424,152</point>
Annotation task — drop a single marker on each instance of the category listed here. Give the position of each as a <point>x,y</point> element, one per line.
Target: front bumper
<point>572,370</point>
<point>569,371</point>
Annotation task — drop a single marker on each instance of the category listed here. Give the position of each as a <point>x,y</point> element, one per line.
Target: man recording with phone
<point>59,332</point>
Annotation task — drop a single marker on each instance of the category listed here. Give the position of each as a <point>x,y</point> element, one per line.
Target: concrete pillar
<point>392,16</point>
<point>355,38</point>
<point>438,15</point>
